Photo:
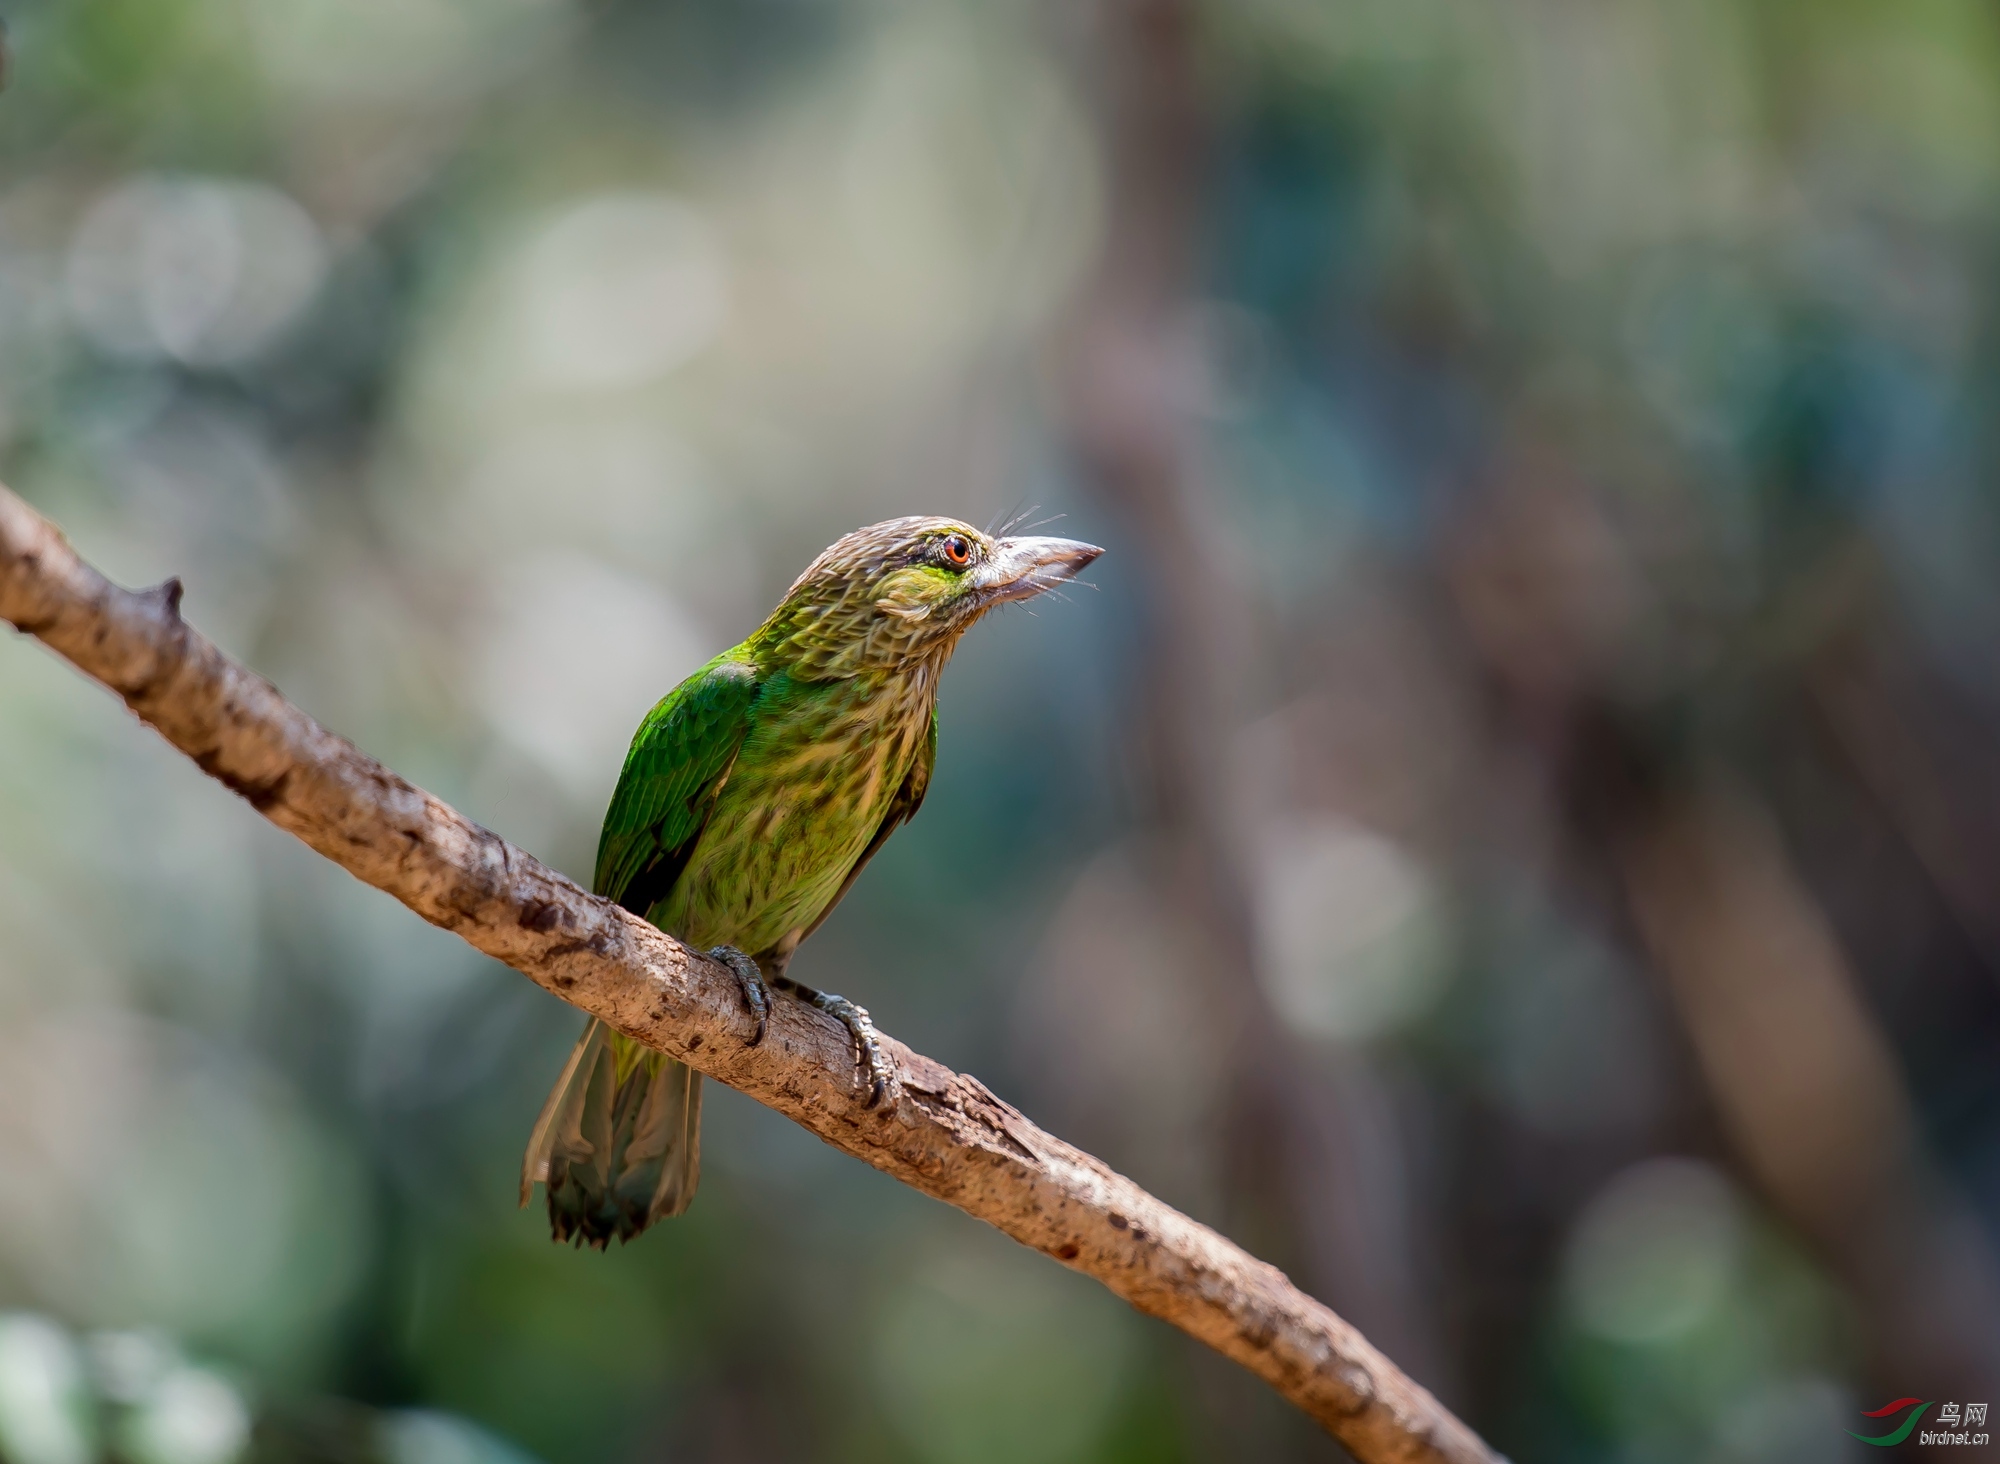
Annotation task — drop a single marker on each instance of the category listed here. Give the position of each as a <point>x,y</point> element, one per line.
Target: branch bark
<point>946,1135</point>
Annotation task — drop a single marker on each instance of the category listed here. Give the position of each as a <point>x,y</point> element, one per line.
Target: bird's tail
<point>618,1144</point>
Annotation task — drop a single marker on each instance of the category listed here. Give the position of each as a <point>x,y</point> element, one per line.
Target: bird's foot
<point>882,1082</point>
<point>756,995</point>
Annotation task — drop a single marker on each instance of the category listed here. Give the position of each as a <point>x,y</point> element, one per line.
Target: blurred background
<point>1514,836</point>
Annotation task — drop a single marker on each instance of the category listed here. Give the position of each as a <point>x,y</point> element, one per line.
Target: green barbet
<point>753,795</point>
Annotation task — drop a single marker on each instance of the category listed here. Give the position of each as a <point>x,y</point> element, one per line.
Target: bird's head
<point>907,590</point>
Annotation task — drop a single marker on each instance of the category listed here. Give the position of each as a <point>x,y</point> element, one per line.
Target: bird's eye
<point>957,550</point>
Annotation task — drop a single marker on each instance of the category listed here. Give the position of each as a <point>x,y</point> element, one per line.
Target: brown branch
<point>946,1135</point>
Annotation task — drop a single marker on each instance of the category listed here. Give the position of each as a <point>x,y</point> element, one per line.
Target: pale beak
<point>1019,569</point>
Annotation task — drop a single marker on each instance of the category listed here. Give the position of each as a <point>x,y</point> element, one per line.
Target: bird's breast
<point>810,787</point>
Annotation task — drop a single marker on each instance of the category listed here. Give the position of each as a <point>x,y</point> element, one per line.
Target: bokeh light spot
<point>1654,1253</point>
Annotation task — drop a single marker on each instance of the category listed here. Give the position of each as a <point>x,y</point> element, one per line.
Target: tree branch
<point>946,1135</point>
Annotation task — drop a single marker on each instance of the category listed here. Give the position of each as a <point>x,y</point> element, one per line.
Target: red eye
<point>958,550</point>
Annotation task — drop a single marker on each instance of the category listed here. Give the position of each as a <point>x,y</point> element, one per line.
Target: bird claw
<point>756,995</point>
<point>882,1082</point>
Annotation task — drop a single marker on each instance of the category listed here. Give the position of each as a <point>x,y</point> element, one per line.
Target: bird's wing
<point>902,808</point>
<point>680,758</point>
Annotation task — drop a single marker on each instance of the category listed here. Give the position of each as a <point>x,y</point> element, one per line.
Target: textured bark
<point>945,1134</point>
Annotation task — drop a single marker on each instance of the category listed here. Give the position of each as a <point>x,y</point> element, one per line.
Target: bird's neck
<point>905,689</point>
<point>912,686</point>
<point>815,644</point>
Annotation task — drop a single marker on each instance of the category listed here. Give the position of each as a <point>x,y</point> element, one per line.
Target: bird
<point>753,795</point>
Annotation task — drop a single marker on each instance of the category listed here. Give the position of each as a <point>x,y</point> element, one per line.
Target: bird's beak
<point>1021,568</point>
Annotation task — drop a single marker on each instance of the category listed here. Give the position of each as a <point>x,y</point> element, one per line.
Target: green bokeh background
<point>482,366</point>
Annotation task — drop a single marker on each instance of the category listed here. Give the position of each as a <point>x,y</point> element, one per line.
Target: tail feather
<point>618,1143</point>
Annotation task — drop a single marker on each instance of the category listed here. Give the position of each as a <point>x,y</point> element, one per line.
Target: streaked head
<point>908,588</point>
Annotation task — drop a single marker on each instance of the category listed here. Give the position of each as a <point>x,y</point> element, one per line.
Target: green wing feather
<point>680,758</point>
<point>618,1143</point>
<point>902,808</point>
